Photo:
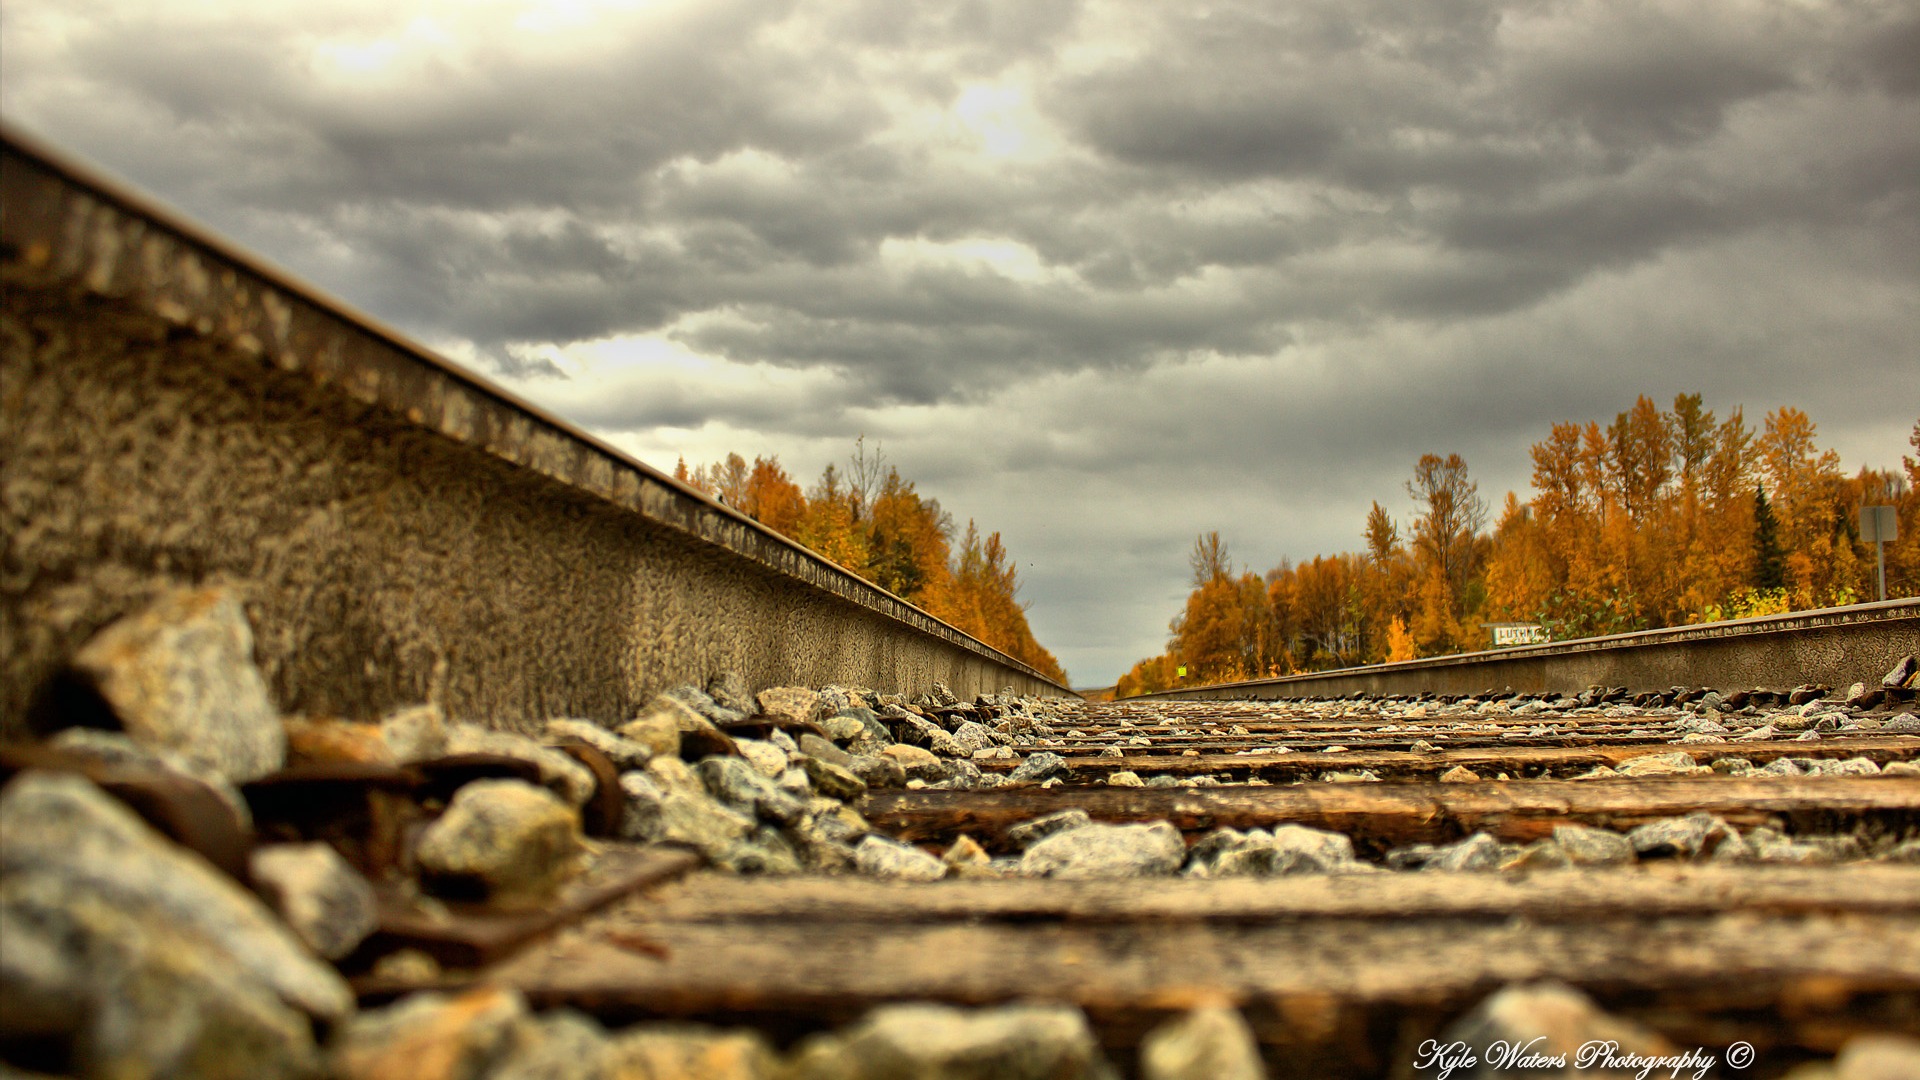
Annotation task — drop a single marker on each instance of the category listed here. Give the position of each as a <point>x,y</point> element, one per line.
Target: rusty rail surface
<point>171,409</point>
<point>1835,646</point>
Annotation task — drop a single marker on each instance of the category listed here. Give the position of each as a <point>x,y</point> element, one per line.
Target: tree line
<point>1661,518</point>
<point>869,520</point>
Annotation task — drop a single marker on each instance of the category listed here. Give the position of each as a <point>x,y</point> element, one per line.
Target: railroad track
<point>1351,877</point>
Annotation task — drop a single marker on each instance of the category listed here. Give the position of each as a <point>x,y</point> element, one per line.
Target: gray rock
<point>1904,724</point>
<point>703,703</point>
<point>1028,833</point>
<point>1039,766</point>
<point>915,731</point>
<point>1212,1042</point>
<point>415,733</point>
<point>559,1045</point>
<point>972,737</point>
<point>659,725</point>
<point>118,749</point>
<point>814,746</point>
<point>672,806</point>
<point>833,781</point>
<point>625,753</point>
<point>179,675</point>
<point>791,704</point>
<point>1901,674</point>
<point>734,782</point>
<point>1688,837</point>
<point>763,851</point>
<point>322,898</point>
<point>1546,1019</point>
<point>1588,846</point>
<point>878,856</point>
<point>510,841</point>
<point>1878,1056</point>
<point>560,773</point>
<point>431,1037</point>
<point>836,820</point>
<point>939,1042</point>
<point>767,759</point>
<point>1539,855</point>
<point>1476,852</point>
<point>1107,851</point>
<point>123,995</point>
<point>68,840</point>
<point>1288,849</point>
<point>865,734</point>
<point>1677,763</point>
<point>678,1051</point>
<point>729,691</point>
<point>942,696</point>
<point>878,771</point>
<point>641,818</point>
<point>917,763</point>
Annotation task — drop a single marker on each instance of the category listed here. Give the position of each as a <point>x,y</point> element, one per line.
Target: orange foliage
<point>1660,518</point>
<point>872,522</point>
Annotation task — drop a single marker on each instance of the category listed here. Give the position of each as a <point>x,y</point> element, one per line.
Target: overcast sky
<point>1099,275</point>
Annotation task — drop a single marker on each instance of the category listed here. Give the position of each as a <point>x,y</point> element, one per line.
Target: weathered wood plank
<point>1341,968</point>
<point>1653,889</point>
<point>1515,759</point>
<point>1405,812</point>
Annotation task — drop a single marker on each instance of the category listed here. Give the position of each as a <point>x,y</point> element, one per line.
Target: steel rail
<point>177,411</point>
<point>1836,646</point>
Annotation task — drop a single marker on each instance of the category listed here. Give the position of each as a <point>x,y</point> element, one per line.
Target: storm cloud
<point>1101,275</point>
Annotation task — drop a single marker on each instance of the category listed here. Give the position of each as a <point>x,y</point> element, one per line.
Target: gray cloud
<point>1237,261</point>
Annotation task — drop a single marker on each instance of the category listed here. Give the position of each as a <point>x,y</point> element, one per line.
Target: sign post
<point>1879,526</point>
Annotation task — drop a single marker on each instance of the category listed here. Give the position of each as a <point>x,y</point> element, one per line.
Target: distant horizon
<point>1101,276</point>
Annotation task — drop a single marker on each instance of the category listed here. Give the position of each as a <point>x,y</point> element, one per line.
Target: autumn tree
<point>1450,517</point>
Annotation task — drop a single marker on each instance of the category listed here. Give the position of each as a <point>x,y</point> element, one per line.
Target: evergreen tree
<point>1769,560</point>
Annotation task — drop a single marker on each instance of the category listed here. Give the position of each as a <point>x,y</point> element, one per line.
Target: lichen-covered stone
<point>322,898</point>
<point>504,839</point>
<point>179,674</point>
